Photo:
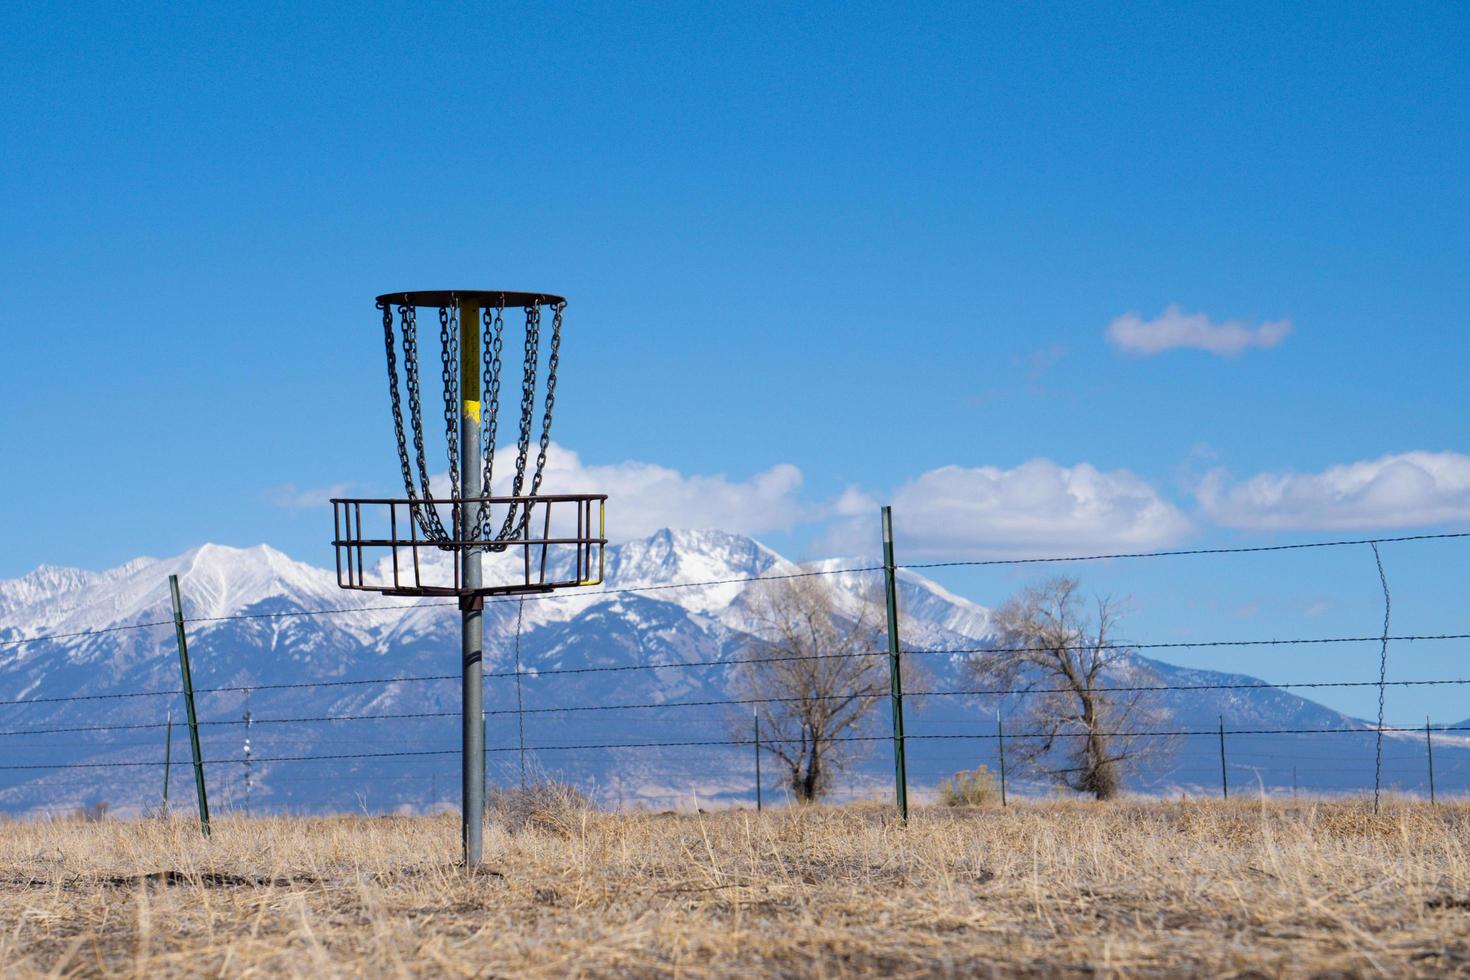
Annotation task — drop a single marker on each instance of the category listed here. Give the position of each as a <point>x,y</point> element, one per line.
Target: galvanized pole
<point>1224,782</point>
<point>472,623</point>
<point>173,587</point>
<point>168,751</point>
<point>1000,736</point>
<point>247,752</point>
<point>895,681</point>
<point>757,716</point>
<point>1429,746</point>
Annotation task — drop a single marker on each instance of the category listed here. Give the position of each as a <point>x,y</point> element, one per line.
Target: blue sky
<point>1051,279</point>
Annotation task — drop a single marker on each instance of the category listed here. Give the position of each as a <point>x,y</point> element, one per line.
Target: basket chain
<point>494,331</point>
<point>423,511</point>
<point>528,409</point>
<point>449,375</point>
<point>553,360</point>
<point>389,341</point>
<point>427,516</point>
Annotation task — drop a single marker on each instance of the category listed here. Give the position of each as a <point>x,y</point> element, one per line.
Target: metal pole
<point>168,751</point>
<point>520,701</point>
<point>895,682</point>
<point>1224,782</point>
<point>1000,736</point>
<point>203,797</point>
<point>472,623</point>
<point>247,753</point>
<point>1429,747</point>
<point>758,804</point>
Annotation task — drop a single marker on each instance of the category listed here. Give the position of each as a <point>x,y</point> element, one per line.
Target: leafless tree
<point>1062,653</point>
<point>814,659</point>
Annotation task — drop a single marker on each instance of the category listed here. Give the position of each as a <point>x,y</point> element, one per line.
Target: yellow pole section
<point>469,361</point>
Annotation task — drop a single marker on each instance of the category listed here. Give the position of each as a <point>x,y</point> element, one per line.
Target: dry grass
<point>1050,889</point>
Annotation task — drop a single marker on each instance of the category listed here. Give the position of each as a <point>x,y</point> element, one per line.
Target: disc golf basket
<point>558,539</point>
<point>423,544</point>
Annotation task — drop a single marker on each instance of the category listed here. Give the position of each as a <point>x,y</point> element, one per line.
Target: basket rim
<point>507,298</point>
<point>488,499</point>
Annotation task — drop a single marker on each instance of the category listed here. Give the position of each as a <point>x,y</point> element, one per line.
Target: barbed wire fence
<point>19,738</point>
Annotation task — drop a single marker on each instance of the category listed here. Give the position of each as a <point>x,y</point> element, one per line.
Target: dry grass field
<point>1202,888</point>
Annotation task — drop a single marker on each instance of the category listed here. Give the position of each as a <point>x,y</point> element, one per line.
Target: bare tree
<point>1062,653</point>
<point>817,668</point>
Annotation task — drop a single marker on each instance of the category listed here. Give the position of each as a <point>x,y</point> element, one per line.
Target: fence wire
<point>520,675</point>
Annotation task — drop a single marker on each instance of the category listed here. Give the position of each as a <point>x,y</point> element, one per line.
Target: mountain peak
<point>43,583</point>
<point>689,555</point>
<point>220,580</point>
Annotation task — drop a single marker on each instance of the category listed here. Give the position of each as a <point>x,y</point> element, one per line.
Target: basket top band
<point>480,297</point>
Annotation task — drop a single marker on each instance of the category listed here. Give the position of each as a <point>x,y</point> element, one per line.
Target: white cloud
<point>1036,509</point>
<point>1174,329</point>
<point>853,502</point>
<point>1413,489</point>
<point>644,497</point>
<point>289,497</point>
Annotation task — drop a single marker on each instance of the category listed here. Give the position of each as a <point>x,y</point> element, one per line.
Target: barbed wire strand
<point>728,662</point>
<point>735,702</point>
<point>694,743</point>
<point>1252,549</point>
<point>1173,645</point>
<point>710,583</point>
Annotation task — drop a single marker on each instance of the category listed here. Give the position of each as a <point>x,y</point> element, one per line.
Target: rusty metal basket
<point>559,543</point>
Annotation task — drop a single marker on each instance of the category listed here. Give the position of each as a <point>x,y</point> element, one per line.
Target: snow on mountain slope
<point>222,582</point>
<point>924,606</point>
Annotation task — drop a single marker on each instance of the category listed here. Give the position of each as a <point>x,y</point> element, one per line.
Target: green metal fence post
<point>173,586</point>
<point>1000,736</point>
<point>1429,747</point>
<point>168,752</point>
<point>758,803</point>
<point>895,681</point>
<point>1224,781</point>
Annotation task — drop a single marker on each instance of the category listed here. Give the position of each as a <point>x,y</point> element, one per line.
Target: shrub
<point>93,812</point>
<point>978,787</point>
<point>548,806</point>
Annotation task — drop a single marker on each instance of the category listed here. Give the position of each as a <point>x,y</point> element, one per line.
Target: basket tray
<point>557,542</point>
<point>485,298</point>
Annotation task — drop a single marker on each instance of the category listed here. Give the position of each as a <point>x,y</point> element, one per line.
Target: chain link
<point>553,360</point>
<point>528,411</point>
<point>399,438</point>
<point>494,339</point>
<point>449,375</point>
<point>427,516</point>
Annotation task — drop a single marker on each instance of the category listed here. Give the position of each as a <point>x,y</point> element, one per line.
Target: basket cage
<point>558,541</point>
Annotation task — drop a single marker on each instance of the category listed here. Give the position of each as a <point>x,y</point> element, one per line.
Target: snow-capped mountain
<point>261,625</point>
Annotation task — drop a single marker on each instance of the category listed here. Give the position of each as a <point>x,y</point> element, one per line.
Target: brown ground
<point>1243,888</point>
